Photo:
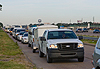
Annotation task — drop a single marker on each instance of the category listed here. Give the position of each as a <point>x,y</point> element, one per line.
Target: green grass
<point>89,41</point>
<point>7,46</point>
<point>11,57</point>
<point>11,65</point>
<point>88,36</point>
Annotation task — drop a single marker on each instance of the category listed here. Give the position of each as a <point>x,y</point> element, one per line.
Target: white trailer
<point>38,32</point>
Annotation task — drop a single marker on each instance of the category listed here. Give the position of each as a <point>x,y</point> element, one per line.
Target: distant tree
<point>0,7</point>
<point>58,24</point>
<point>30,25</point>
<point>1,24</point>
<point>52,24</point>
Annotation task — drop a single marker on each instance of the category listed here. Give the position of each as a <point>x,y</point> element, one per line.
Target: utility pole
<point>93,19</point>
<point>70,20</point>
<point>82,20</point>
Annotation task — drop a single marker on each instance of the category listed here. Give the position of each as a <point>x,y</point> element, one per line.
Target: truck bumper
<point>55,53</point>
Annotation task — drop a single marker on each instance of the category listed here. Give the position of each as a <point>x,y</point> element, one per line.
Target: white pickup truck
<point>61,43</point>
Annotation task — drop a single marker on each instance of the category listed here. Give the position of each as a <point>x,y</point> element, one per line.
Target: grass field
<point>11,57</point>
<point>89,41</point>
<point>88,36</point>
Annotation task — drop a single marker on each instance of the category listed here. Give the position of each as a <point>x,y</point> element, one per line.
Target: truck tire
<point>29,45</point>
<point>49,60</point>
<point>34,50</point>
<point>81,59</point>
<point>41,54</point>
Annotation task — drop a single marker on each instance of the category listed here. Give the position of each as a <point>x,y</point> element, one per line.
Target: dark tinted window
<point>20,30</point>
<point>79,29</point>
<point>25,34</point>
<point>11,29</point>
<point>21,33</point>
<point>85,28</point>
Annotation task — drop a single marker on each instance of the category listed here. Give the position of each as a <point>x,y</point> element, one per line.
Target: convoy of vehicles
<point>55,43</point>
<point>47,38</point>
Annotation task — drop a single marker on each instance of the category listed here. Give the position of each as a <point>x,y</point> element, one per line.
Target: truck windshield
<point>61,35</point>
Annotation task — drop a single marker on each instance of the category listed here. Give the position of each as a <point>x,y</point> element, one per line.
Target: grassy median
<point>11,57</point>
<point>89,41</point>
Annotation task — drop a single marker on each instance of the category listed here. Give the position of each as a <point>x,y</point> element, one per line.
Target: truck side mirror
<point>42,39</point>
<point>80,37</point>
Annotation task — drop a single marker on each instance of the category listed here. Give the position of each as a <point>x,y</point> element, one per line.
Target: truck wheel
<point>34,50</point>
<point>29,45</point>
<point>81,59</point>
<point>49,60</point>
<point>40,54</point>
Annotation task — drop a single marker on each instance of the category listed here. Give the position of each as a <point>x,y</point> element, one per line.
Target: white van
<point>38,32</point>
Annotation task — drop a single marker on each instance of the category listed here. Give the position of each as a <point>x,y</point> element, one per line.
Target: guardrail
<point>90,38</point>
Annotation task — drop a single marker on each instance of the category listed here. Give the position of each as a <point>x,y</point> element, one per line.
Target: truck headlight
<point>53,46</point>
<point>80,45</point>
<point>16,34</point>
<point>20,36</point>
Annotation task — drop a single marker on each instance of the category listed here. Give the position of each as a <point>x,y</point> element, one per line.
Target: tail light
<point>33,39</point>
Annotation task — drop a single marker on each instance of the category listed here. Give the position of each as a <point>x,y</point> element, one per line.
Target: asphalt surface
<point>57,63</point>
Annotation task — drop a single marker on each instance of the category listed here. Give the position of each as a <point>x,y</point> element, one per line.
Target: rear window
<point>79,29</point>
<point>25,34</point>
<point>20,30</point>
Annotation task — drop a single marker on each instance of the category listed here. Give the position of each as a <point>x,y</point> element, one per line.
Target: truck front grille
<point>67,46</point>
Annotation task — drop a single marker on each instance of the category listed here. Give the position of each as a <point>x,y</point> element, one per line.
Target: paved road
<point>59,63</point>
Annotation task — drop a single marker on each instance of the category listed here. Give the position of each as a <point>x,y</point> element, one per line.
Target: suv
<point>84,30</point>
<point>96,31</point>
<point>61,43</point>
<point>79,30</point>
<point>96,56</point>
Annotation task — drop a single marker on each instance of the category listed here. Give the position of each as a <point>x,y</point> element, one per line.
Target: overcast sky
<point>29,11</point>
